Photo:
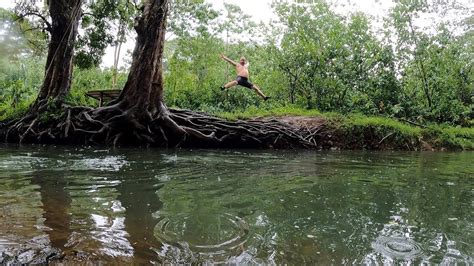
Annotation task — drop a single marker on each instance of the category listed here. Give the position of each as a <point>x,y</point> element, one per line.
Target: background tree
<point>431,60</point>
<point>103,24</point>
<point>332,63</point>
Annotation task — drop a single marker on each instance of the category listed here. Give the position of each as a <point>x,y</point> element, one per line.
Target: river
<point>66,204</point>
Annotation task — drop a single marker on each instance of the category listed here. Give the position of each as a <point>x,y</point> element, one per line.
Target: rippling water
<point>243,207</point>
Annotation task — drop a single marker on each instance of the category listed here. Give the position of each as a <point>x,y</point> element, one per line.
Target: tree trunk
<point>144,87</point>
<point>118,47</point>
<point>65,15</point>
<point>424,79</point>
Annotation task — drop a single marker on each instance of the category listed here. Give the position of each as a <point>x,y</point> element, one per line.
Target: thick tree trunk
<point>144,87</point>
<point>65,15</point>
<point>129,118</point>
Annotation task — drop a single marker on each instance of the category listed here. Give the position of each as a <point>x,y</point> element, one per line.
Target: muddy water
<point>134,206</point>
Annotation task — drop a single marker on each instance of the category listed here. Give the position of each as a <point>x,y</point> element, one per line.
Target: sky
<point>260,11</point>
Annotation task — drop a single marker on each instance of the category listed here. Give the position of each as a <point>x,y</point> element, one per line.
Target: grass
<point>253,112</point>
<point>450,137</point>
<point>9,113</point>
<point>357,125</point>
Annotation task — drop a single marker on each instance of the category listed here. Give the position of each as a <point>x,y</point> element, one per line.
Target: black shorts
<point>243,81</point>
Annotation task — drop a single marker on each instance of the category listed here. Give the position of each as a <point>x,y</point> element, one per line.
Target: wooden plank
<point>104,95</point>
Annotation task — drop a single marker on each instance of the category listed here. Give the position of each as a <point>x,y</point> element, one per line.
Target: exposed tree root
<point>113,126</point>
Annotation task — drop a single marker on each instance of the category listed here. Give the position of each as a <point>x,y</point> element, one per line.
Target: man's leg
<point>259,92</point>
<point>229,85</point>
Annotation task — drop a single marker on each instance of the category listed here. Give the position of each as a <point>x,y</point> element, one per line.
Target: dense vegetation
<point>310,58</point>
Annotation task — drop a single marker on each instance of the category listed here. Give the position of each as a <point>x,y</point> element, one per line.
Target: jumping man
<point>242,76</point>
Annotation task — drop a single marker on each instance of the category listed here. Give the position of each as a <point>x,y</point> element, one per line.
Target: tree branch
<point>22,16</point>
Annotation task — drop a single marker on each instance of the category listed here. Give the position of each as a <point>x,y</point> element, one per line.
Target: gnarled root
<point>113,125</point>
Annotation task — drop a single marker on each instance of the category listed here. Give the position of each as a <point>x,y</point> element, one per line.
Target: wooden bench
<point>104,95</point>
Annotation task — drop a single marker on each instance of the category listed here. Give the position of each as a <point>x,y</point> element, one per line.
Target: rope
<point>226,77</point>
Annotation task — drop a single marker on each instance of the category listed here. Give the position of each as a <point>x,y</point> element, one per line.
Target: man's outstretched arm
<point>228,60</point>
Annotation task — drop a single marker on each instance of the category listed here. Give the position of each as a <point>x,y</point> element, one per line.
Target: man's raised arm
<point>228,60</point>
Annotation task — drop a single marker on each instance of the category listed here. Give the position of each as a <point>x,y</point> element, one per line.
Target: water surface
<point>248,207</point>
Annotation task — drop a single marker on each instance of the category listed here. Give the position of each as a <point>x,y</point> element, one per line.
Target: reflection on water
<point>135,206</point>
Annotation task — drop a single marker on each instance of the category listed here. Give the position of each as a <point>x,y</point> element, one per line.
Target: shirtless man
<point>242,76</point>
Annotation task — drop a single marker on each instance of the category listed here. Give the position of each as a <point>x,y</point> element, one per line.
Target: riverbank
<point>311,128</point>
<point>356,131</point>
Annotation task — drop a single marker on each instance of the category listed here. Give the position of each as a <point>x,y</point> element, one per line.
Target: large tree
<point>139,116</point>
<point>63,28</point>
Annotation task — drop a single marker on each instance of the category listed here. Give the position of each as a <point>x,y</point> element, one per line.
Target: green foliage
<point>8,113</point>
<point>19,84</point>
<point>104,23</point>
<point>27,26</point>
<point>382,126</point>
<point>331,62</point>
<point>440,136</point>
<point>436,70</point>
<point>191,18</point>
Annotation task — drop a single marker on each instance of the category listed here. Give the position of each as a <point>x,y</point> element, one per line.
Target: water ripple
<point>108,163</point>
<point>399,248</point>
<point>173,232</point>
